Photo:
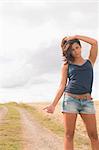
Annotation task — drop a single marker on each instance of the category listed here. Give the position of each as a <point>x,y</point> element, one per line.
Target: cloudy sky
<point>30,52</point>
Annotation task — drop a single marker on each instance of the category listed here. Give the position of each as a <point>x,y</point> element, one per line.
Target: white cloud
<point>30,37</point>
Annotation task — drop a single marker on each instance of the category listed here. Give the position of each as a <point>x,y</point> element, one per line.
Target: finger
<point>68,38</point>
<point>64,37</point>
<point>45,108</point>
<point>49,112</point>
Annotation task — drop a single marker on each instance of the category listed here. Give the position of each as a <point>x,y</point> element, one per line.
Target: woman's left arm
<point>94,46</point>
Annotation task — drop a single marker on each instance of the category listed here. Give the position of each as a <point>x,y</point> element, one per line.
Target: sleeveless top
<point>80,78</point>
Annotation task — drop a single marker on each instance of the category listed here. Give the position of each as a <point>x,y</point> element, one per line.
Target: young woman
<point>77,91</point>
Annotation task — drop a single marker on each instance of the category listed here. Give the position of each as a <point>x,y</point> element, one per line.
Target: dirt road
<point>36,137</point>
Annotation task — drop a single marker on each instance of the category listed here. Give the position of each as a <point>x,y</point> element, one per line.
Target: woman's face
<point>76,50</point>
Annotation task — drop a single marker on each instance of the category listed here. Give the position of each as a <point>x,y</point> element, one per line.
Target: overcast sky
<point>30,52</point>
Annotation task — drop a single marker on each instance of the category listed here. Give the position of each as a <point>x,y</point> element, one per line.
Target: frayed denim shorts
<point>73,105</point>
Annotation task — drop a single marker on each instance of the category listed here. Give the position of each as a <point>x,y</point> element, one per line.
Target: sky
<point>30,38</point>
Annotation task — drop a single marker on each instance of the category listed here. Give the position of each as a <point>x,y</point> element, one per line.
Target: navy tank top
<point>80,78</point>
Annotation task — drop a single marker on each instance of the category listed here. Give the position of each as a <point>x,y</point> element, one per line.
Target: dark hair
<point>67,53</point>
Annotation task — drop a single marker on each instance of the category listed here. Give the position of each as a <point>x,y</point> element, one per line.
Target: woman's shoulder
<point>64,66</point>
<point>90,62</point>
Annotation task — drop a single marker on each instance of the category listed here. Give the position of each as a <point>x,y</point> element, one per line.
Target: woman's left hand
<point>71,37</point>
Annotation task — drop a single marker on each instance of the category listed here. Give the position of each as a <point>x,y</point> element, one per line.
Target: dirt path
<point>3,112</point>
<point>36,137</point>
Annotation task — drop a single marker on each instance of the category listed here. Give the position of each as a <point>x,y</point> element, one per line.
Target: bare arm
<point>94,45</point>
<point>86,39</point>
<point>62,84</point>
<point>60,90</point>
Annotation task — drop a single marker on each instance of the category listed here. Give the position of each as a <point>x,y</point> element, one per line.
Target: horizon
<point>30,53</point>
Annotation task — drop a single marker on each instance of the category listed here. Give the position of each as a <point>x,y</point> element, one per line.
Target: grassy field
<point>10,128</point>
<point>81,138</point>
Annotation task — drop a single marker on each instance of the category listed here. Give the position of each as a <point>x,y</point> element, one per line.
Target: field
<point>81,137</point>
<point>29,127</point>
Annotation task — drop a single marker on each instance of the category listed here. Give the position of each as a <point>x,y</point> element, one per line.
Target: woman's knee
<point>93,136</point>
<point>69,135</point>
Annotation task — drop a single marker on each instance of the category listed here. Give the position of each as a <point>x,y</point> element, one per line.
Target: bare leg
<point>90,123</point>
<point>69,126</point>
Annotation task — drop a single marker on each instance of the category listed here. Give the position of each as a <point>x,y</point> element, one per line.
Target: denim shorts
<point>73,105</point>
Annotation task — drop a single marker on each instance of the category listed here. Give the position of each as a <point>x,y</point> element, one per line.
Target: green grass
<point>10,130</point>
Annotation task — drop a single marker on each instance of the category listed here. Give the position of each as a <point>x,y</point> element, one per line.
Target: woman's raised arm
<point>94,47</point>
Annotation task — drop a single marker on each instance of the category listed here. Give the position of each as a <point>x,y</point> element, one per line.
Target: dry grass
<point>10,130</point>
<point>81,139</point>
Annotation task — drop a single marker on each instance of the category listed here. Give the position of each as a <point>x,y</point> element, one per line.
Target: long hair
<point>67,49</point>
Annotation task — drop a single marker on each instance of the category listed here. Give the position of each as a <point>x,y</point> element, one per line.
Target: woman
<point>77,93</point>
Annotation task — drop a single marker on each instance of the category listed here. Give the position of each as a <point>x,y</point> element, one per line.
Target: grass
<point>44,121</point>
<point>10,130</point>
<point>80,139</point>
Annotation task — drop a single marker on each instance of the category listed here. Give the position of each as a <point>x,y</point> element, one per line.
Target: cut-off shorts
<point>73,105</point>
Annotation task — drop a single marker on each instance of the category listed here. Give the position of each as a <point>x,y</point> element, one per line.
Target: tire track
<point>36,137</point>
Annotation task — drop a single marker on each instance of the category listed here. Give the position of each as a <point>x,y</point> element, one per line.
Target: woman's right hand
<point>49,109</point>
